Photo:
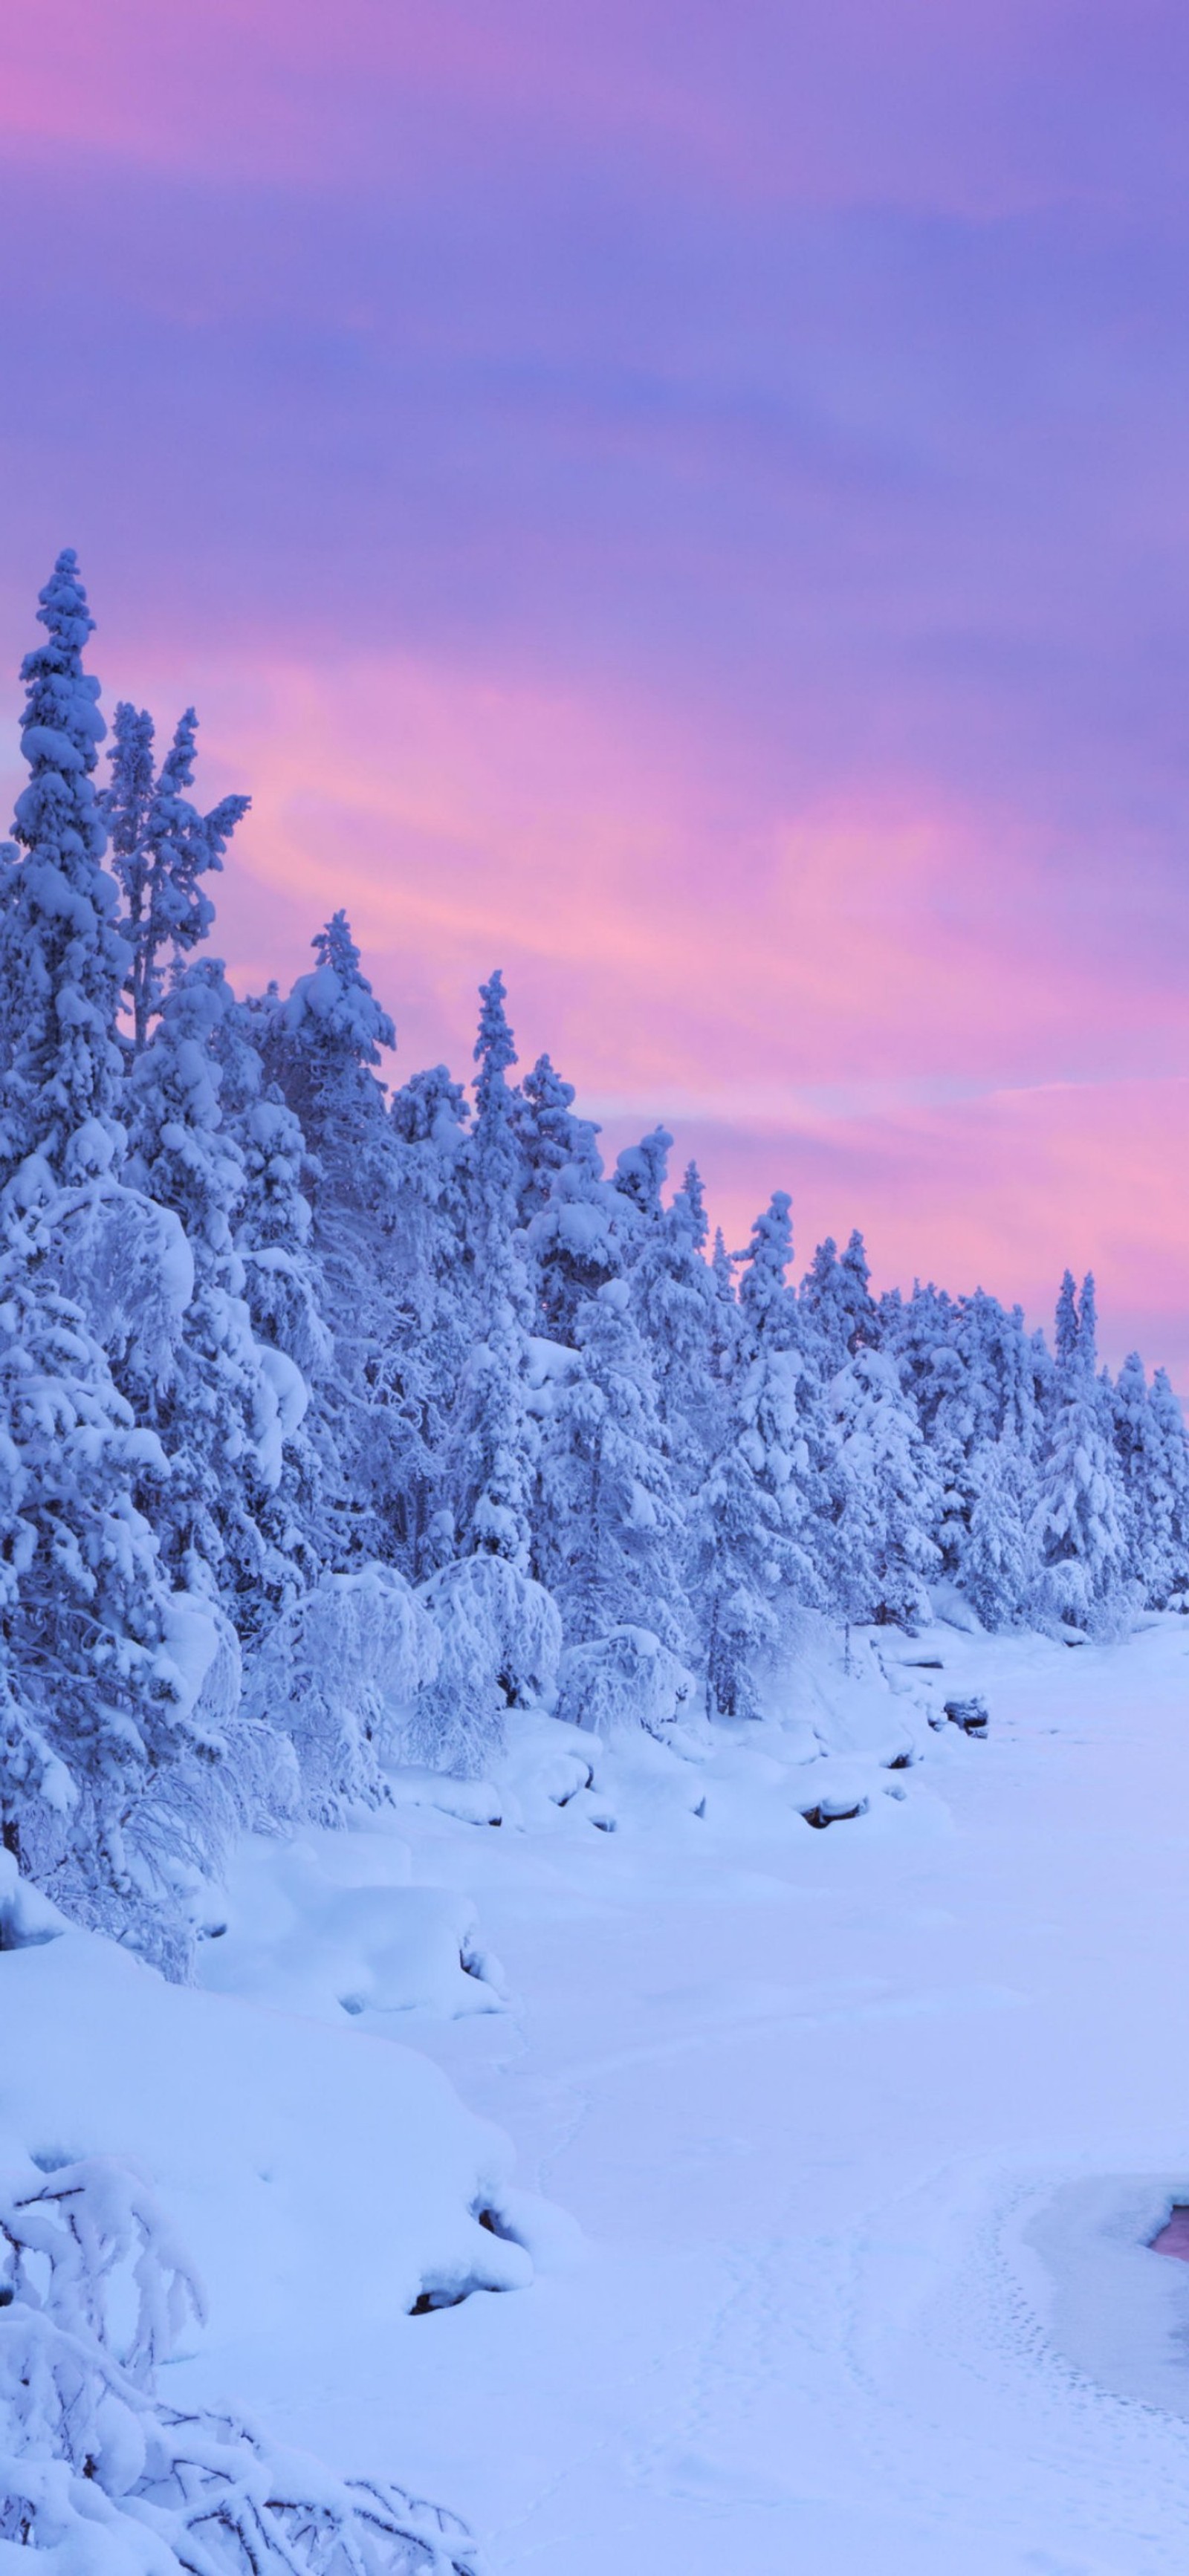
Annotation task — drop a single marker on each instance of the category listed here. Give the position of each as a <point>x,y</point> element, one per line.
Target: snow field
<point>823,2105</point>
<point>841,2148</point>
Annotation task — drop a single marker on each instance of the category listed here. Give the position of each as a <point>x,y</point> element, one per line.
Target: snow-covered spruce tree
<point>1079,1526</point>
<point>62,960</point>
<point>608,1524</point>
<point>232,1402</point>
<point>548,1135</point>
<point>493,1435</point>
<point>997,1564</point>
<point>878,1555</point>
<point>676,1302</point>
<point>111,1680</point>
<point>324,1045</point>
<point>274,1221</point>
<point>62,965</point>
<point>752,1543</point>
<point>1154,1461</point>
<point>109,1674</point>
<point>879,1496</point>
<point>577,1241</point>
<point>576,1223</point>
<point>1166,1493</point>
<point>433,1313</point>
<point>837,1303</point>
<point>640,1174</point>
<point>161,848</point>
<point>969,1371</point>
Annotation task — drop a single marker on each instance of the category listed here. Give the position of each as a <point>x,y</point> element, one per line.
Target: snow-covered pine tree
<point>877,1553</point>
<point>112,1682</point>
<point>548,1135</point>
<point>1154,1460</point>
<point>161,848</point>
<point>640,1174</point>
<point>676,1303</point>
<point>607,1523</point>
<point>112,1676</point>
<point>997,1565</point>
<point>1079,1526</point>
<point>576,1223</point>
<point>433,1308</point>
<point>969,1372</point>
<point>323,1046</point>
<point>62,960</point>
<point>837,1303</point>
<point>578,1240</point>
<point>232,1402</point>
<point>1166,1487</point>
<point>493,1434</point>
<point>752,1518</point>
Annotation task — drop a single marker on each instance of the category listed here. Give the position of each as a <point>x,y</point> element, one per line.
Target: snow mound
<point>306,1934</point>
<point>27,1918</point>
<point>316,2172</point>
<point>852,1705</point>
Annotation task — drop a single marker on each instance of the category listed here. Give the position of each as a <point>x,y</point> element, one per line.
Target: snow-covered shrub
<point>99,2473</point>
<point>625,1680</point>
<point>501,1644</point>
<point>336,1674</point>
<point>236,1775</point>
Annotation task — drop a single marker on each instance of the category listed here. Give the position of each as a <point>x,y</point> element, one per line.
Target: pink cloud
<point>990,109</point>
<point>867,1001</point>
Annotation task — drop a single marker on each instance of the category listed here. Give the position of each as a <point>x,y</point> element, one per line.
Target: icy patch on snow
<point>1110,2304</point>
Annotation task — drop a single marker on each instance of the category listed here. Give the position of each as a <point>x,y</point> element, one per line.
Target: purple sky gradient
<point>691,504</point>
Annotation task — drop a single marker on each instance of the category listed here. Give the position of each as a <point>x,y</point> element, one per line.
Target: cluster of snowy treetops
<point>337,1419</point>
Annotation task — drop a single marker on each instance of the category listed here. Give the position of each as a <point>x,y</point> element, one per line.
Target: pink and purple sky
<point>689,503</point>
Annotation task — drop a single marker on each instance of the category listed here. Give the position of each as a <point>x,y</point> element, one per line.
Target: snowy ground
<point>864,2129</point>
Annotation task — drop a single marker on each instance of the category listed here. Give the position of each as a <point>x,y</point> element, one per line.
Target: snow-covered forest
<point>338,1419</point>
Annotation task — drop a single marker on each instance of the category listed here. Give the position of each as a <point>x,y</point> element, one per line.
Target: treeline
<point>335,1419</point>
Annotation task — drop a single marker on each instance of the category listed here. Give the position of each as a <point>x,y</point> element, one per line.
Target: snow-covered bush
<point>337,1674</point>
<point>103,2476</point>
<point>625,1680</point>
<point>500,1648</point>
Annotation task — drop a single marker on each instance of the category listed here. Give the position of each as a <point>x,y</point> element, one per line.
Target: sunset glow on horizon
<point>688,506</point>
